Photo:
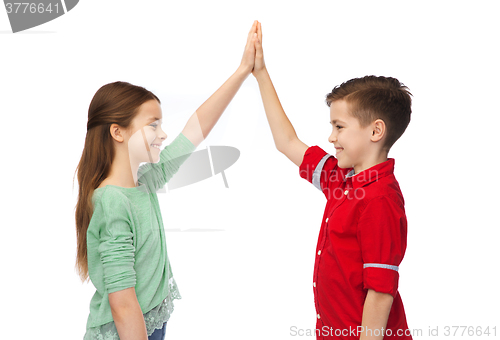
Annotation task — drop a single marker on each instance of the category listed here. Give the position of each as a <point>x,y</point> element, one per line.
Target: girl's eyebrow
<point>152,119</point>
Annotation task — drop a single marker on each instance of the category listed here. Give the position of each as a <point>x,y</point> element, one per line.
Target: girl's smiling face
<point>146,134</point>
<point>351,141</point>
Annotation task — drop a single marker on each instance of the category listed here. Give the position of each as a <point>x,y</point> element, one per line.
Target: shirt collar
<point>370,175</point>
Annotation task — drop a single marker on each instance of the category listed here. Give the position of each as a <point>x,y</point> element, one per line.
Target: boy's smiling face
<point>352,142</point>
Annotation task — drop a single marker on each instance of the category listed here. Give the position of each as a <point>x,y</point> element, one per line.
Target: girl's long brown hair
<point>114,103</point>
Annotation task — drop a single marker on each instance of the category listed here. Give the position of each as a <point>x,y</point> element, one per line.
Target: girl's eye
<point>154,125</point>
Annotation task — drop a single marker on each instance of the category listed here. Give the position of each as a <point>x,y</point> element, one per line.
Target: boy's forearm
<point>375,314</point>
<point>206,116</point>
<point>281,127</point>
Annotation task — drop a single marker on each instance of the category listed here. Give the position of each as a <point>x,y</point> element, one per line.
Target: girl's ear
<point>378,130</point>
<point>117,132</point>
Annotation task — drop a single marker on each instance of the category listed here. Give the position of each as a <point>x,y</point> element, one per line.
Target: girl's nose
<point>162,135</point>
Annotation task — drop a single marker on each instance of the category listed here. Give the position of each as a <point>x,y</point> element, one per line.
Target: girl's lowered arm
<point>127,315</point>
<point>203,120</point>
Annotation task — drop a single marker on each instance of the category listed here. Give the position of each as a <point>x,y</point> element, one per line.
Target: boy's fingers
<point>258,43</point>
<point>258,49</point>
<point>259,31</point>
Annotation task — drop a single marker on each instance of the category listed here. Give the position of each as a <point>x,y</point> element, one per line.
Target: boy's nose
<point>332,138</point>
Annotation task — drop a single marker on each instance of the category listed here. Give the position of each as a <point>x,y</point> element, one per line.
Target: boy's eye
<point>339,127</point>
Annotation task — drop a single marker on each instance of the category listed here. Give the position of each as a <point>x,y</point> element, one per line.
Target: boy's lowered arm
<point>284,135</point>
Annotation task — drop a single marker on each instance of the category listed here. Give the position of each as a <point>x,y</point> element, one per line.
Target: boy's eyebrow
<point>336,121</point>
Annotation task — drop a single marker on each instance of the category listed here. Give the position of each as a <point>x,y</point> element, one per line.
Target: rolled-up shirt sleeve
<point>381,235</point>
<point>321,170</point>
<point>116,245</point>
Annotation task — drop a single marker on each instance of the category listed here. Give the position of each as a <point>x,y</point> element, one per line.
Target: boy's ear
<point>378,130</point>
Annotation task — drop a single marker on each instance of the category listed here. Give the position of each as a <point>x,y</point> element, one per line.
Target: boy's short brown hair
<point>370,98</point>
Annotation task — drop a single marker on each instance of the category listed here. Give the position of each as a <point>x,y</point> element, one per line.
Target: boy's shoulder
<point>384,190</point>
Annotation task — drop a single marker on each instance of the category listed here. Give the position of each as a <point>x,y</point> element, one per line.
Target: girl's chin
<point>152,157</point>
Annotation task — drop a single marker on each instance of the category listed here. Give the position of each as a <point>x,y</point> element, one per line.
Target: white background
<point>254,279</point>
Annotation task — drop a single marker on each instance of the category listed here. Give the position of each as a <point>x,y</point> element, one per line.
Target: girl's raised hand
<point>247,62</point>
<point>259,53</point>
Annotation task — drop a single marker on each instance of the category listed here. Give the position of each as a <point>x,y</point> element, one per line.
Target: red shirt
<point>361,243</point>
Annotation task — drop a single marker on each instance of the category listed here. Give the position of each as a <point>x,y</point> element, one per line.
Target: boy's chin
<point>342,165</point>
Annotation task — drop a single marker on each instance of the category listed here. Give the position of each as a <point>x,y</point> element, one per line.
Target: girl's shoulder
<point>110,197</point>
<point>110,204</point>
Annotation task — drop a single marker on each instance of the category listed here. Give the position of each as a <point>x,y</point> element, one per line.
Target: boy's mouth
<point>338,150</point>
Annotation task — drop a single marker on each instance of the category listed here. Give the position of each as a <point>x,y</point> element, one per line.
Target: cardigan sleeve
<point>156,175</point>
<point>116,244</point>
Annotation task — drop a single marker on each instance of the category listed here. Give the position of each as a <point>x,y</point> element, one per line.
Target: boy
<point>363,234</point>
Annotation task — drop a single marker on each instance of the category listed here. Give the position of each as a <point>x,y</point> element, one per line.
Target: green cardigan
<point>126,239</point>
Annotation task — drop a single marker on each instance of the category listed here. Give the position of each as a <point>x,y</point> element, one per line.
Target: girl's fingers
<point>251,42</point>
<point>253,29</point>
<point>251,33</point>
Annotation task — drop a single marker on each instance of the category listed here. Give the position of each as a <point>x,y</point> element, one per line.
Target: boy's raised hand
<point>259,53</point>
<point>247,62</point>
<point>284,135</point>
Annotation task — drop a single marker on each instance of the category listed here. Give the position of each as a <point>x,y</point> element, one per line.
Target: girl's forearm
<point>206,116</point>
<point>281,128</point>
<point>130,324</point>
<point>127,315</point>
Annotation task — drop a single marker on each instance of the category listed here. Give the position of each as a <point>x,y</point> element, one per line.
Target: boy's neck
<point>370,161</point>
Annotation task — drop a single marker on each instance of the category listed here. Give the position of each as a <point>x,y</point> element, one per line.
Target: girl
<point>120,235</point>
